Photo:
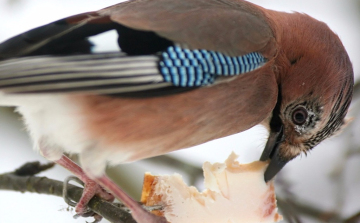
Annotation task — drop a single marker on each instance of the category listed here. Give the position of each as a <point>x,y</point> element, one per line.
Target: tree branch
<point>22,180</point>
<point>353,219</point>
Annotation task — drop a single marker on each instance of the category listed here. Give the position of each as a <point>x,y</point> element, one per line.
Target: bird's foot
<point>96,187</point>
<point>91,188</point>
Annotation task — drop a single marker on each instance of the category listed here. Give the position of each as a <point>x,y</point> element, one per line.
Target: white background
<point>308,175</point>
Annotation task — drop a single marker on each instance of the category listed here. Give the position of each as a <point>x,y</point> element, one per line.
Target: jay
<point>186,72</point>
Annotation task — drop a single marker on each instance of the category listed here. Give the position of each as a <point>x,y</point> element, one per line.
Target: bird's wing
<point>169,46</point>
<point>232,27</point>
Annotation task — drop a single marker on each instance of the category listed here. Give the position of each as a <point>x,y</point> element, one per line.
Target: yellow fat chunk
<point>235,193</point>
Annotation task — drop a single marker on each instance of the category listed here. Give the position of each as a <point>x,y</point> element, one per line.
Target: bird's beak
<point>271,151</point>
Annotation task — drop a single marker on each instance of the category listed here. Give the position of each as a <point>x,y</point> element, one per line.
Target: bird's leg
<point>91,187</point>
<point>96,185</point>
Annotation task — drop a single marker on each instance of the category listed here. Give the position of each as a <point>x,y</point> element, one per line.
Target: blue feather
<point>195,68</point>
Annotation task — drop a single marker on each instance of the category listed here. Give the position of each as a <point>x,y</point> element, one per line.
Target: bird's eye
<point>299,116</point>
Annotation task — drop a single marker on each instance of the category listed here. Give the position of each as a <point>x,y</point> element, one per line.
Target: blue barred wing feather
<point>194,68</point>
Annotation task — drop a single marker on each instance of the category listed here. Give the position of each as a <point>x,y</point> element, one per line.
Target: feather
<point>99,73</point>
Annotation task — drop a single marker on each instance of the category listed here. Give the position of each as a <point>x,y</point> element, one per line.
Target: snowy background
<point>311,178</point>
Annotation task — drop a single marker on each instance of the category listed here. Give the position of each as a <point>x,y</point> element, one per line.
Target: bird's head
<point>315,80</point>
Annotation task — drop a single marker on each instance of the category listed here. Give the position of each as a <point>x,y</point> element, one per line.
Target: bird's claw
<point>65,196</point>
<point>87,212</point>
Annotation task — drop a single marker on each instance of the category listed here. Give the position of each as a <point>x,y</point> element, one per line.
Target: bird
<point>186,72</point>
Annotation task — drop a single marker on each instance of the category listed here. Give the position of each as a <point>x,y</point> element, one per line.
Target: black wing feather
<point>42,60</point>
